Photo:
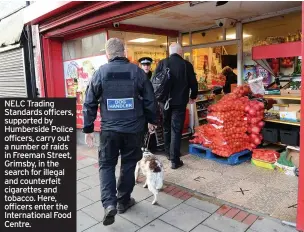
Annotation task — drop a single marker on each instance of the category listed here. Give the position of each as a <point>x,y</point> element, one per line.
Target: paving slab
<point>203,228</point>
<point>84,221</point>
<point>120,225</point>
<point>95,211</point>
<point>83,202</point>
<point>86,162</point>
<point>139,193</point>
<point>81,175</point>
<point>202,205</point>
<point>92,194</point>
<point>184,217</point>
<point>143,213</point>
<point>81,187</point>
<point>166,201</point>
<point>90,170</point>
<point>160,226</point>
<point>225,224</point>
<point>268,225</point>
<point>91,181</point>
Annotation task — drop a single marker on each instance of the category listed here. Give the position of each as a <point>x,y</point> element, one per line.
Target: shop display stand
<point>201,106</point>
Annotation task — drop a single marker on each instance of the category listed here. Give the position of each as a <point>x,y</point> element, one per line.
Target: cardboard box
<point>286,91</point>
<point>293,154</point>
<point>291,113</point>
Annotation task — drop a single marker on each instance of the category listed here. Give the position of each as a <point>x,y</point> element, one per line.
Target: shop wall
<point>37,60</point>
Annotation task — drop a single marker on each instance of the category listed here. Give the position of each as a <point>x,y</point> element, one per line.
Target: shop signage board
<point>77,74</point>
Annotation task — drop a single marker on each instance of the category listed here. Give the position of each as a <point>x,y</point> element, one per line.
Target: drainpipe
<point>239,37</point>
<point>31,57</point>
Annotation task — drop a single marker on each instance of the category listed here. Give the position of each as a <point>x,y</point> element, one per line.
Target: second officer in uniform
<point>145,63</point>
<point>127,101</point>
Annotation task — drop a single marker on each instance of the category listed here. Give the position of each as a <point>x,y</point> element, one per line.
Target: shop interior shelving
<point>261,53</point>
<point>283,97</point>
<point>198,120</point>
<point>283,122</point>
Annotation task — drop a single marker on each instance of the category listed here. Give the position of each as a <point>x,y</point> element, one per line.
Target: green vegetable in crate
<point>295,85</point>
<point>298,66</point>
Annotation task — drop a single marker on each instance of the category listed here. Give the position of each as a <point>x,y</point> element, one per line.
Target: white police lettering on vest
<point>120,104</point>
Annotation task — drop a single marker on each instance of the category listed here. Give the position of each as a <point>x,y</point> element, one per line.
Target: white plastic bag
<point>256,85</point>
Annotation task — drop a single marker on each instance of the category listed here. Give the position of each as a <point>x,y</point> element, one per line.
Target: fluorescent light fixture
<point>233,36</point>
<point>141,40</point>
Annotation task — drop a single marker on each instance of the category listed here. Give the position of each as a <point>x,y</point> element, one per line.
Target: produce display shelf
<point>202,100</point>
<point>201,119</point>
<point>201,110</point>
<point>282,122</point>
<point>283,97</point>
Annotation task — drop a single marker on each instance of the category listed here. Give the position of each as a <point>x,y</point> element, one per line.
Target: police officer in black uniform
<point>145,63</point>
<point>126,100</point>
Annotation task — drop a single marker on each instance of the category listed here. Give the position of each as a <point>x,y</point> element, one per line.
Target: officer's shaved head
<point>115,48</point>
<point>175,48</point>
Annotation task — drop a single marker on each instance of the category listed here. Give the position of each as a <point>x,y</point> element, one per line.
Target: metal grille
<point>12,74</point>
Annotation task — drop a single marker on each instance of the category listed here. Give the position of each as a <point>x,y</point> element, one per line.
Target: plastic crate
<point>271,135</point>
<point>290,137</point>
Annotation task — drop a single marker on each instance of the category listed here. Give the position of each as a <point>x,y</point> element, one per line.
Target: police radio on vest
<point>14,103</point>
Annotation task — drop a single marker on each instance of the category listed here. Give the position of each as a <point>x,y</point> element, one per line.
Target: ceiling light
<point>233,36</point>
<point>141,40</point>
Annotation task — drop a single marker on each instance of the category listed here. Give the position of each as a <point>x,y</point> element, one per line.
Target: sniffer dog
<point>153,170</point>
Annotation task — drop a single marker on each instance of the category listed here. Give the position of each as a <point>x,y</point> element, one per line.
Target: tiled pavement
<point>177,210</point>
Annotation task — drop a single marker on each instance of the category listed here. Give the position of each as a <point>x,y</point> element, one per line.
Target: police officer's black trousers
<point>173,121</point>
<point>113,144</point>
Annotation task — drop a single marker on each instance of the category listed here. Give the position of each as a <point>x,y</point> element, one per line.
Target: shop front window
<point>209,62</point>
<point>207,36</point>
<point>81,58</point>
<point>140,45</point>
<point>185,39</point>
<point>84,47</point>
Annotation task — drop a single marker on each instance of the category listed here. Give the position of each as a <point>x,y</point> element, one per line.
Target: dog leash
<point>148,140</point>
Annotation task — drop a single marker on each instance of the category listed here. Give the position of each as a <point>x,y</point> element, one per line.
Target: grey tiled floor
<point>170,215</point>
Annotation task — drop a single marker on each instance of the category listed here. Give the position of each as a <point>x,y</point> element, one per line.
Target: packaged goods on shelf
<point>290,113</point>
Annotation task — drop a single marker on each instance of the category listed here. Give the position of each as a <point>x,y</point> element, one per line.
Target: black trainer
<point>122,208</point>
<point>109,216</point>
<point>177,165</point>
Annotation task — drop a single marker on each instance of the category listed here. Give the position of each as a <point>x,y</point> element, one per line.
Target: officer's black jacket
<point>93,96</point>
<point>183,80</point>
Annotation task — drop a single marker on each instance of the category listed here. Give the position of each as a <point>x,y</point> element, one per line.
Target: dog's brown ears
<point>153,166</point>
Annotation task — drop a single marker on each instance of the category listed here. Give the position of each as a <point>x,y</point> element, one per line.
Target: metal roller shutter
<point>12,74</point>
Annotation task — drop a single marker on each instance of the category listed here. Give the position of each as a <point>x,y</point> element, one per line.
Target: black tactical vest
<point>120,97</point>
